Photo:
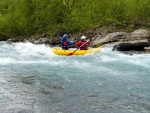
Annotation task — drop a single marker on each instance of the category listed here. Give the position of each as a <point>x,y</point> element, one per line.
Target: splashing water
<point>34,80</point>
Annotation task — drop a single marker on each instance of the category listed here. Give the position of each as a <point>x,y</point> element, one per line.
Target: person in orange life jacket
<point>83,42</point>
<point>65,43</point>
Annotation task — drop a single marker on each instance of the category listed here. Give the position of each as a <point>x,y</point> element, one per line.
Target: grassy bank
<point>31,17</point>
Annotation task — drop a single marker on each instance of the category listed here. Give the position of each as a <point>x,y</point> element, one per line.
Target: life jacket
<point>84,43</point>
<point>65,44</point>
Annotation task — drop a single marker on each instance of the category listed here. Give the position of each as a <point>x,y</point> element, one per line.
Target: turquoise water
<point>34,80</point>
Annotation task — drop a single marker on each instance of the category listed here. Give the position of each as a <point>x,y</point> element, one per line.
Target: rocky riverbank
<point>137,40</point>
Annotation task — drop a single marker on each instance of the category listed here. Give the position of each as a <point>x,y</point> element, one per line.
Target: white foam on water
<point>10,61</point>
<point>31,53</point>
<point>25,53</point>
<point>29,49</point>
<point>4,61</point>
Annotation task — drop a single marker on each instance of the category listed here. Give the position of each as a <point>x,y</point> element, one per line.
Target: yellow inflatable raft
<point>74,51</point>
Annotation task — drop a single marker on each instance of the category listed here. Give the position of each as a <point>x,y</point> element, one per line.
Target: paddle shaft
<point>71,36</point>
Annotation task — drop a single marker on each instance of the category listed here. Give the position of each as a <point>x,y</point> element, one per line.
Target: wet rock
<point>36,42</point>
<point>9,41</point>
<point>129,47</point>
<point>137,40</point>
<point>12,40</point>
<point>147,49</point>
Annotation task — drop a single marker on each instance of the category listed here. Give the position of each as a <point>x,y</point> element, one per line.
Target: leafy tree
<point>29,17</point>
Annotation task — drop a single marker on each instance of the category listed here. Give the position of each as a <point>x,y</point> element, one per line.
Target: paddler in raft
<point>83,43</point>
<point>66,44</point>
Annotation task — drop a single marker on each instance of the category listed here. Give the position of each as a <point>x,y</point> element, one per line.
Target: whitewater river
<point>35,80</point>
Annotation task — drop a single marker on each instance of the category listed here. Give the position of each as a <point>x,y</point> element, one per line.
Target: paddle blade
<point>70,54</point>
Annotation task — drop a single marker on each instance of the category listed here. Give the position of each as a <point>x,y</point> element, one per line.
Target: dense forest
<point>31,17</point>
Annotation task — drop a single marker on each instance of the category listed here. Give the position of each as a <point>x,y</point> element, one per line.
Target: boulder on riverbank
<point>122,41</point>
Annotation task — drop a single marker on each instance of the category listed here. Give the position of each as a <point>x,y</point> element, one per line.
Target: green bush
<point>30,17</point>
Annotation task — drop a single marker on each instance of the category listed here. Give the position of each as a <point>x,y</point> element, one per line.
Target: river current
<point>35,80</point>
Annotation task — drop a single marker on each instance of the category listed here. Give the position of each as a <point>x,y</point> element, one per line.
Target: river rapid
<point>35,80</point>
